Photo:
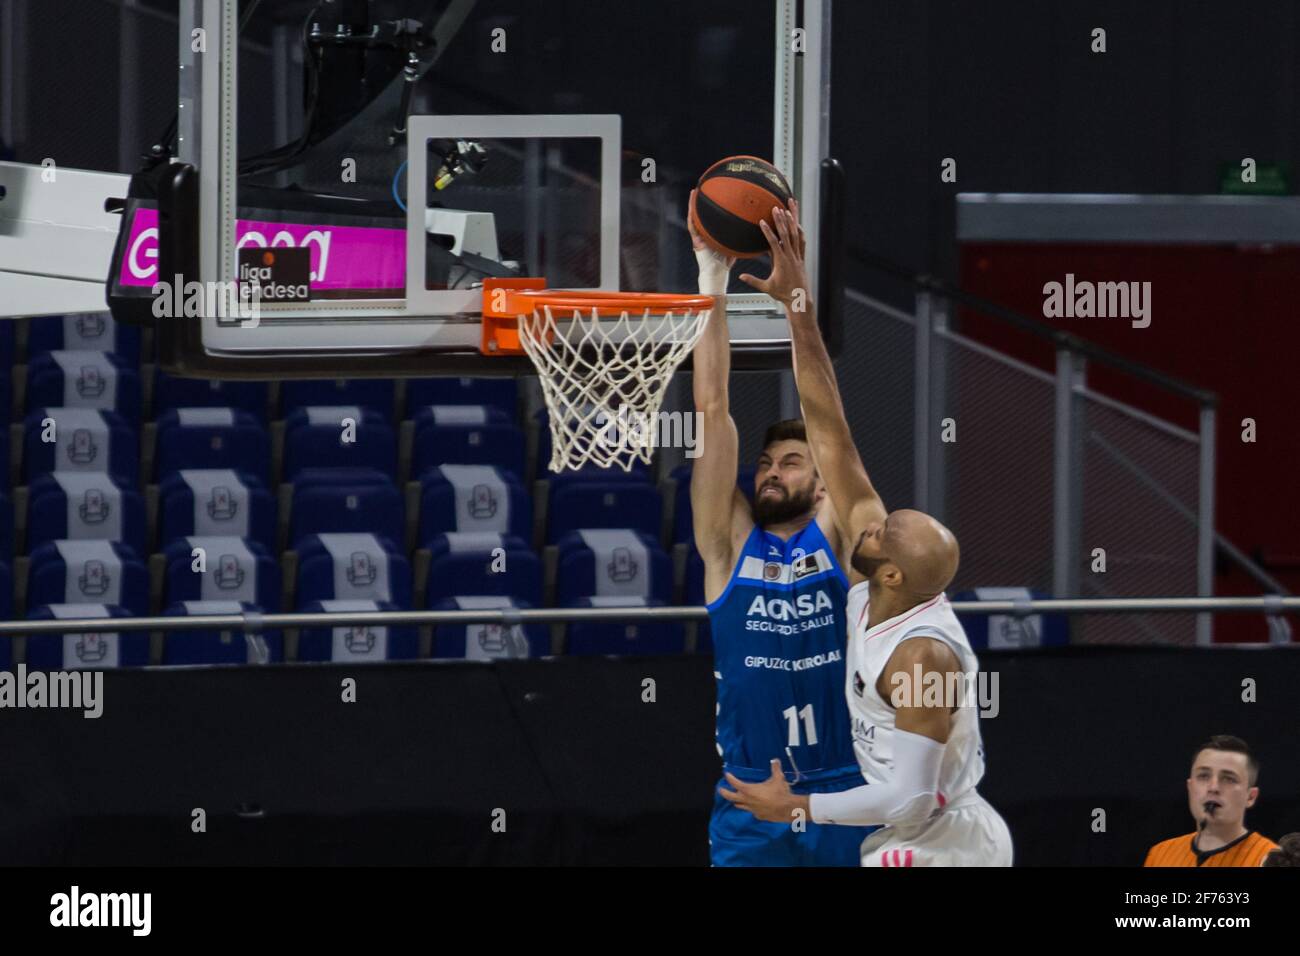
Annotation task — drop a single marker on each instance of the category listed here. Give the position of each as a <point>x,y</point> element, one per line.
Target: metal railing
<point>1086,434</point>
<point>253,622</point>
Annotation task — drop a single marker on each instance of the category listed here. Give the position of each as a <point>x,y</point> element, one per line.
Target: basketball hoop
<point>604,360</point>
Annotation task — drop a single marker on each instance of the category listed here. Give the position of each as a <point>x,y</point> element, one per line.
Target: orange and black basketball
<point>732,197</point>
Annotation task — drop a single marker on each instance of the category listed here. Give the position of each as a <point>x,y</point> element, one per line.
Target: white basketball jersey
<point>873,718</point>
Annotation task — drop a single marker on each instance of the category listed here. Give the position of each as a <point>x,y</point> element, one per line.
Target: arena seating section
<point>116,477</point>
<point>126,491</point>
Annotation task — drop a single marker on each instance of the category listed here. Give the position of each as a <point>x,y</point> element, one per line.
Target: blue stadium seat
<point>234,569</point>
<point>693,588</point>
<point>91,330</point>
<point>441,438</point>
<point>745,480</point>
<point>84,505</point>
<point>1002,631</point>
<point>172,392</point>
<point>682,530</point>
<point>463,564</point>
<point>639,474</point>
<point>90,651</point>
<point>7,349</point>
<point>312,477</point>
<point>502,393</point>
<point>693,593</point>
<point>216,646</point>
<point>622,504</point>
<point>486,642</point>
<point>314,438</point>
<point>85,439</point>
<point>344,567</point>
<point>83,379</point>
<point>473,498</point>
<point>356,643</point>
<point>444,415</point>
<point>4,431</point>
<point>377,394</point>
<point>88,572</point>
<point>206,438</point>
<point>346,500</point>
<point>216,501</point>
<point>6,529</point>
<point>612,563</point>
<point>624,637</point>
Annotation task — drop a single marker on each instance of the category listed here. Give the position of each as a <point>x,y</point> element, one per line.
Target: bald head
<point>913,552</point>
<point>924,550</point>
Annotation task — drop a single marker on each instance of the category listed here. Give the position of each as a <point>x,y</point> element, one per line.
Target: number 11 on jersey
<point>792,717</point>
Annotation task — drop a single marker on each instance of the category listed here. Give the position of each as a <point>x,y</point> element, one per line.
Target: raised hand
<point>787,245</point>
<point>697,241</point>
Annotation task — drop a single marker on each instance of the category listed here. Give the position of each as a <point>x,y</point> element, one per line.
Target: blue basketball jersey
<point>779,640</point>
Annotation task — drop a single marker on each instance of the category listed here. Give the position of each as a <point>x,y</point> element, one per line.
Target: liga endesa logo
<point>281,275</point>
<point>342,257</point>
<point>140,264</point>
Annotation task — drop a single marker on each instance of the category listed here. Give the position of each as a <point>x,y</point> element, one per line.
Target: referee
<point>1219,791</point>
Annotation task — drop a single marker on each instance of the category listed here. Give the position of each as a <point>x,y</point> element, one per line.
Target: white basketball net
<point>604,380</point>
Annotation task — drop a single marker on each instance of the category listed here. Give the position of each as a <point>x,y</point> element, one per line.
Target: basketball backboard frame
<point>426,331</point>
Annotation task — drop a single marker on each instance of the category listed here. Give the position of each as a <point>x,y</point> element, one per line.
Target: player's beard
<point>792,505</point>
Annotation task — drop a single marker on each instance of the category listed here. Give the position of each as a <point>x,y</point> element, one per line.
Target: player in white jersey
<point>919,752</point>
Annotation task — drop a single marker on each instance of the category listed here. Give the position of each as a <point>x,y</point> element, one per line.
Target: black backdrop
<point>585,771</point>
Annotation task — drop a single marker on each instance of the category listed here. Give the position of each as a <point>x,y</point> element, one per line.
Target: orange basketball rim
<point>506,301</point>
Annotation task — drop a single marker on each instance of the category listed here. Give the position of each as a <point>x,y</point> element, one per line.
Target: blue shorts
<point>738,838</point>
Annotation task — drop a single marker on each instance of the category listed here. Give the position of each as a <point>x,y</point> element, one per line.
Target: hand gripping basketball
<point>715,267</point>
<point>787,245</point>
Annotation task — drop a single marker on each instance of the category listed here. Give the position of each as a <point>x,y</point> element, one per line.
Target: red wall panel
<point>1223,318</point>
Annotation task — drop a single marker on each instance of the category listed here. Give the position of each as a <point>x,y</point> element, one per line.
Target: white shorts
<point>969,833</point>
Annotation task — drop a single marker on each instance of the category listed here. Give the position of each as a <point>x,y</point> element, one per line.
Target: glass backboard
<point>536,139</point>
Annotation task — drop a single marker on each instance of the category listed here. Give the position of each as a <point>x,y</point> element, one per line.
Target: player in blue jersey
<point>921,755</point>
<point>775,587</point>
